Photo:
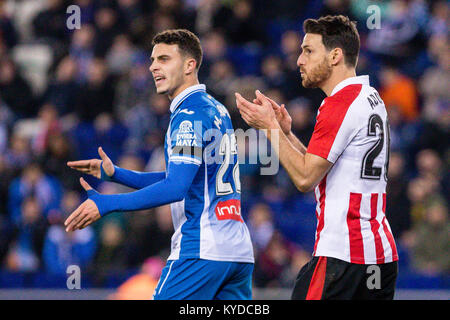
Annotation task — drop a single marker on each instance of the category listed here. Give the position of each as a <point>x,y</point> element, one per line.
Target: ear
<point>190,66</point>
<point>336,56</point>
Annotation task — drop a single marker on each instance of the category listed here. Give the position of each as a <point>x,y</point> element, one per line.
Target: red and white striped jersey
<point>352,132</point>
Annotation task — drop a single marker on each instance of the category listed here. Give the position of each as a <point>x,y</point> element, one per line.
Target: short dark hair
<point>187,42</point>
<point>337,32</point>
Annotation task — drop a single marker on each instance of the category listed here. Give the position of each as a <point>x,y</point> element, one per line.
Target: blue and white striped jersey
<point>207,222</point>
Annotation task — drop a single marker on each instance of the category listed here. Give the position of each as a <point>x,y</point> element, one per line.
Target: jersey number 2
<point>368,170</point>
<point>228,147</point>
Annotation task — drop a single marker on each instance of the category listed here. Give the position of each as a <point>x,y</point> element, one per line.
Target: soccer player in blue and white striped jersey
<point>211,254</point>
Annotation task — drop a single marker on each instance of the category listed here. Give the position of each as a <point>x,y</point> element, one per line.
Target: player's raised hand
<point>85,214</point>
<point>283,117</point>
<point>259,116</point>
<point>92,166</point>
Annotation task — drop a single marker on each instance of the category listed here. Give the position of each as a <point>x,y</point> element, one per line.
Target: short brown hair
<point>187,42</point>
<point>337,32</point>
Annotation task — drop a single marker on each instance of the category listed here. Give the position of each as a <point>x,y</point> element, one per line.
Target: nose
<point>153,67</point>
<point>300,60</point>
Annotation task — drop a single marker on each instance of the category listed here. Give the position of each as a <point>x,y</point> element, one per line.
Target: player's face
<point>313,61</point>
<point>167,68</point>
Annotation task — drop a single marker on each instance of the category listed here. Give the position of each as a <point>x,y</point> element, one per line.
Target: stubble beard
<point>317,75</point>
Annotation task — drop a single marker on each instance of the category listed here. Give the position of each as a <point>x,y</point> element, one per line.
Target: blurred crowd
<point>64,93</point>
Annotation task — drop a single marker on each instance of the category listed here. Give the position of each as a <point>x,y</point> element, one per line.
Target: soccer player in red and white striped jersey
<point>346,164</point>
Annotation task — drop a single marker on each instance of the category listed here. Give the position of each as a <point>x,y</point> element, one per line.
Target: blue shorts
<point>198,279</point>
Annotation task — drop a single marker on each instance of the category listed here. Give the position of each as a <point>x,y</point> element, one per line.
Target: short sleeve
<point>186,137</point>
<point>335,127</point>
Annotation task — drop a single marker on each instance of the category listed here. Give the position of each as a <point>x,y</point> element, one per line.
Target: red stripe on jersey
<point>322,187</point>
<point>375,226</point>
<point>388,232</point>
<point>317,283</point>
<point>331,115</point>
<point>354,229</point>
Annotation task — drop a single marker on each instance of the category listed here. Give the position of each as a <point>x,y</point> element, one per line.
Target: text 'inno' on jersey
<point>352,132</point>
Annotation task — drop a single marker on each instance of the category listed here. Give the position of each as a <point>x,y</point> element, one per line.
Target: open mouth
<point>159,79</point>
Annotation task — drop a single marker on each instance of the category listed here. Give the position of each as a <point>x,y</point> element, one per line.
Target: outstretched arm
<point>105,170</point>
<point>173,188</point>
<point>133,179</point>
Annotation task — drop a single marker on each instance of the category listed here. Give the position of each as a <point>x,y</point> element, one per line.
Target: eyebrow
<point>159,57</point>
<point>305,46</point>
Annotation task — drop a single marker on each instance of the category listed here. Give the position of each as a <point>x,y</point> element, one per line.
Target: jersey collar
<point>184,94</point>
<point>349,81</point>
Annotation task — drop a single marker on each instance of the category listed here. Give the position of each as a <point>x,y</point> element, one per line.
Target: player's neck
<point>336,77</point>
<point>189,83</point>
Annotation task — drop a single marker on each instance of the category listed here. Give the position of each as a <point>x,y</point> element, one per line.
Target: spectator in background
<point>156,241</point>
<point>50,23</point>
<point>6,122</point>
<point>108,27</point>
<point>48,124</point>
<point>63,89</point>
<point>435,82</point>
<point>401,36</point>
<point>397,204</point>
<point>131,13</point>
<point>87,10</point>
<point>272,72</point>
<point>120,56</point>
<point>214,49</point>
<point>58,151</point>
<point>7,175</point>
<point>134,88</point>
<point>302,118</point>
<point>111,256</point>
<point>260,225</point>
<point>14,89</point>
<point>290,50</point>
<point>404,135</point>
<point>336,7</point>
<point>220,79</point>
<point>18,155</point>
<point>438,23</point>
<point>273,262</point>
<point>24,254</point>
<point>161,21</point>
<point>183,16</point>
<point>8,34</point>
<point>399,91</point>
<point>33,182</point>
<point>81,50</point>
<point>62,249</point>
<point>159,105</point>
<point>429,241</point>
<point>97,95</point>
<point>242,28</point>
<point>299,258</point>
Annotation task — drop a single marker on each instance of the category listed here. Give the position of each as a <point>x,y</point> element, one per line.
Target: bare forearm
<point>296,142</point>
<point>291,157</point>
